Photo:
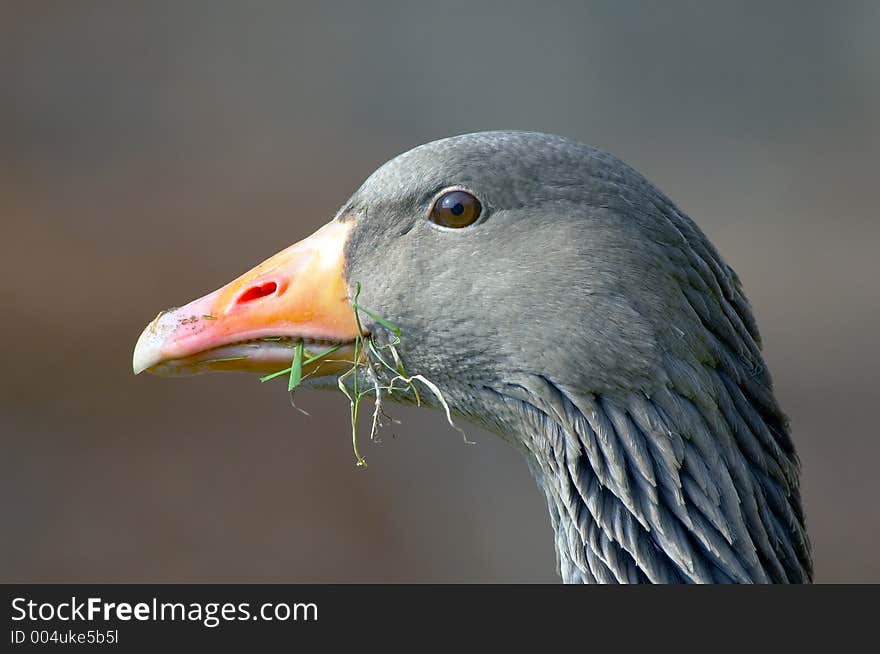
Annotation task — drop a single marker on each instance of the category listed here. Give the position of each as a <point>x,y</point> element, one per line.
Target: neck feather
<point>697,483</point>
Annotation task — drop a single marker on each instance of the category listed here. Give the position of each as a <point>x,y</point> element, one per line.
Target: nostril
<point>256,292</point>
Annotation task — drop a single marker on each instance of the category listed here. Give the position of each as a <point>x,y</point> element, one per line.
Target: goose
<point>553,295</point>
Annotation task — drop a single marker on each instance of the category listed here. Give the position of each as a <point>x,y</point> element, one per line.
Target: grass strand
<point>366,350</point>
<point>309,360</point>
<point>296,370</point>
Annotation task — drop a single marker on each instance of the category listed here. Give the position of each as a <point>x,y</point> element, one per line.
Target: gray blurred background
<point>150,152</point>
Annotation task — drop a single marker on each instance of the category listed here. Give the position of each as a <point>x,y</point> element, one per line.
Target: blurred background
<point>150,152</point>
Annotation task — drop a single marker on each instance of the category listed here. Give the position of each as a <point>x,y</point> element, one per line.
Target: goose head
<point>550,293</point>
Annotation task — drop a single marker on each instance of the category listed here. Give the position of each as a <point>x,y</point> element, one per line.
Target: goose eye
<point>455,209</point>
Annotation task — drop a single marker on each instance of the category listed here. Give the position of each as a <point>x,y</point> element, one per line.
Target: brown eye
<point>455,209</point>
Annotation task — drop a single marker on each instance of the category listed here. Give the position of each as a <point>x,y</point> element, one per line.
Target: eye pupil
<point>455,209</point>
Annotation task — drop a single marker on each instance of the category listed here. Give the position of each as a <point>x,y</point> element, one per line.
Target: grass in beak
<point>367,353</point>
<point>296,370</point>
<point>297,352</point>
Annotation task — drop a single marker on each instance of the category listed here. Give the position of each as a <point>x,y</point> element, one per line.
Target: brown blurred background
<point>151,151</point>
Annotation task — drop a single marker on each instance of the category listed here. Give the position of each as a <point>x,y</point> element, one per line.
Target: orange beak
<point>253,323</point>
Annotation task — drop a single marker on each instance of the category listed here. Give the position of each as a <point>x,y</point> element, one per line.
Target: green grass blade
<point>316,357</point>
<point>368,357</point>
<point>296,370</point>
<point>276,374</point>
<point>387,324</point>
<point>306,362</point>
<point>375,351</point>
